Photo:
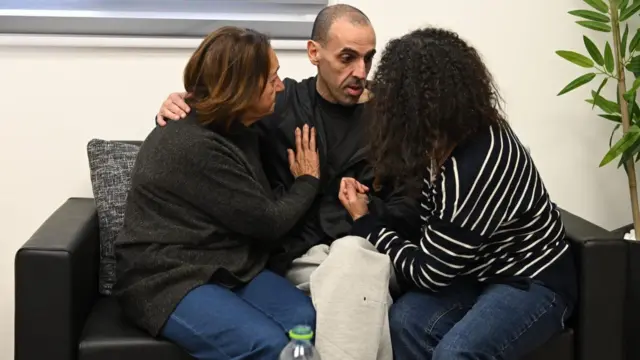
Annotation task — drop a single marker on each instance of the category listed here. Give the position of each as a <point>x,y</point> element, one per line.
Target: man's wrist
<point>356,217</point>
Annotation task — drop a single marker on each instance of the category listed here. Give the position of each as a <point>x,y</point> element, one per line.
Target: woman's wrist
<point>309,179</point>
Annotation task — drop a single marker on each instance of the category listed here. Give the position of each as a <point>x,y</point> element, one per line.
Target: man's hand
<point>361,189</point>
<point>353,197</point>
<point>174,108</point>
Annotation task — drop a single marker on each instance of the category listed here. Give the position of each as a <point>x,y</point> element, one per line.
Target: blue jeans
<point>251,322</point>
<point>473,321</point>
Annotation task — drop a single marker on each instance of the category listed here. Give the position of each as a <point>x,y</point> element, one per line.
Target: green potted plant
<point>615,63</point>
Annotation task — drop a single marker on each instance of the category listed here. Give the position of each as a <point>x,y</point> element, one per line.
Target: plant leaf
<point>602,84</point>
<point>630,153</point>
<point>614,118</point>
<point>631,103</point>
<point>630,99</point>
<point>623,44</point>
<point>634,41</point>
<point>598,5</point>
<point>635,86</point>
<point>615,128</point>
<point>628,140</point>
<point>576,58</point>
<point>633,115</point>
<point>607,106</point>
<point>594,25</point>
<point>623,5</point>
<point>620,163</point>
<point>590,15</point>
<point>593,50</point>
<point>632,107</point>
<point>634,65</point>
<point>629,96</point>
<point>577,82</point>
<point>630,11</point>
<point>608,57</point>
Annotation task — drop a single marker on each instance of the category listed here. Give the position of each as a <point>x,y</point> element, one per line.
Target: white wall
<point>53,100</point>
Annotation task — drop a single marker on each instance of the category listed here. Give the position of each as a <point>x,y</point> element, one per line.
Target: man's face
<point>344,61</point>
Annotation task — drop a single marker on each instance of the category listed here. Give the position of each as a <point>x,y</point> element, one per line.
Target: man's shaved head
<point>342,47</point>
<point>327,16</point>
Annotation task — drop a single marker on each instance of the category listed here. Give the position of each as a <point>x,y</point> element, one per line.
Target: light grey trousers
<point>349,284</point>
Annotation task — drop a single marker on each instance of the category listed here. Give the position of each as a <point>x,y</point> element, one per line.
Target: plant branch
<point>629,57</point>
<point>602,71</point>
<point>624,111</point>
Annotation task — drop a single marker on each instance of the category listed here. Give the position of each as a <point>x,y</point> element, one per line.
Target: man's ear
<point>313,51</point>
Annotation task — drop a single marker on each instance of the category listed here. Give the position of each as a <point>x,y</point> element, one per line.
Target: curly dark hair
<point>431,92</point>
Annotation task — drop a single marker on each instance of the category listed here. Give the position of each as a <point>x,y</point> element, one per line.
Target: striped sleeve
<point>466,203</point>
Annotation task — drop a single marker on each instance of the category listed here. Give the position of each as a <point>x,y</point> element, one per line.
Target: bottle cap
<point>301,332</point>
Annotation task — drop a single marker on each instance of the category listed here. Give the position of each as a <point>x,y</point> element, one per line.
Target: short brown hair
<point>227,74</point>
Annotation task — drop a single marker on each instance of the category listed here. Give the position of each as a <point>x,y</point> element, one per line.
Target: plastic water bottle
<point>300,347</point>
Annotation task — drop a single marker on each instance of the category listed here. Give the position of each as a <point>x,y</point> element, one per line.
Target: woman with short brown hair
<point>201,219</point>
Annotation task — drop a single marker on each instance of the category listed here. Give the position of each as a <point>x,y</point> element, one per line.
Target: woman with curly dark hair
<point>491,275</point>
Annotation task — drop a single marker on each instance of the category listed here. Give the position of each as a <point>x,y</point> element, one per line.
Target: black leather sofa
<point>60,316</point>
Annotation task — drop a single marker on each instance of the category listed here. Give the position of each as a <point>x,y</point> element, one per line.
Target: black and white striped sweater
<point>486,214</point>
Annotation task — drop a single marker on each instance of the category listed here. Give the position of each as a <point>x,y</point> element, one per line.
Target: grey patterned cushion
<point>110,164</point>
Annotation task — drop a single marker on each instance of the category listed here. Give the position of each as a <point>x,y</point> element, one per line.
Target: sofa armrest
<point>56,274</point>
<point>601,260</point>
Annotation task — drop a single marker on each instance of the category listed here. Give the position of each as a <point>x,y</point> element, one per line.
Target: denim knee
<point>447,353</point>
<point>402,325</point>
<point>396,319</point>
<point>268,344</point>
<point>461,348</point>
<point>408,336</point>
<point>305,314</point>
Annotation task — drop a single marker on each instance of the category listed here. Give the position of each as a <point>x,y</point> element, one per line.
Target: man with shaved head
<point>342,47</point>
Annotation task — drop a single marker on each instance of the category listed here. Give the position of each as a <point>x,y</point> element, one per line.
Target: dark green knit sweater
<point>199,210</point>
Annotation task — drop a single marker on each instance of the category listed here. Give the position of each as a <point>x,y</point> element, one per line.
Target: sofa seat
<point>109,336</point>
<point>560,347</point>
<point>61,317</point>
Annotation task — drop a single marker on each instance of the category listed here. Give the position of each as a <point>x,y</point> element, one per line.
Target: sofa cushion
<point>107,335</point>
<point>110,165</point>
